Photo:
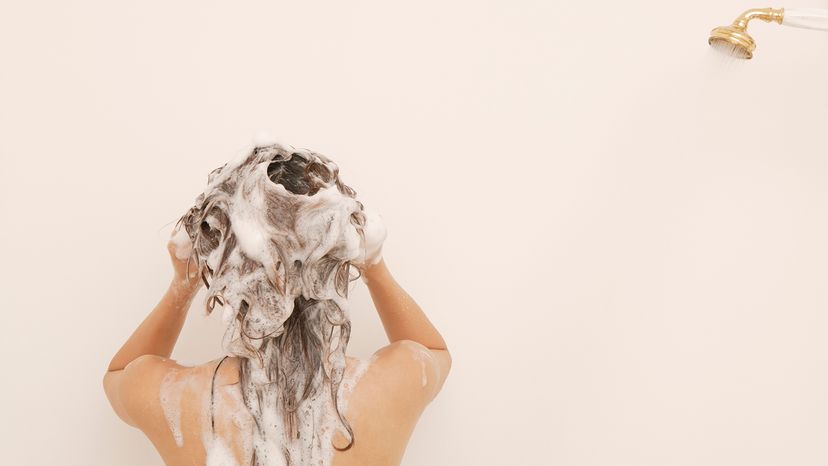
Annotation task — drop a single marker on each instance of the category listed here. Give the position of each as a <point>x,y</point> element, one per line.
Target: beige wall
<point>622,237</point>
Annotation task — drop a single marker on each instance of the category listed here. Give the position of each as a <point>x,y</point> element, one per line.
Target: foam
<point>426,359</point>
<point>175,384</point>
<point>183,245</point>
<point>218,454</point>
<point>170,396</point>
<point>249,225</point>
<point>375,234</point>
<point>263,138</point>
<point>219,444</point>
<point>349,383</point>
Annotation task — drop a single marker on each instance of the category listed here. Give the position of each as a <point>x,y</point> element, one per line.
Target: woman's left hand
<point>180,247</point>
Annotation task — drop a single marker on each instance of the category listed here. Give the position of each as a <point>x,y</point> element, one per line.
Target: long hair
<point>273,237</point>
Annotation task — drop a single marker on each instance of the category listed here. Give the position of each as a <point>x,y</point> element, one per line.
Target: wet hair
<point>287,297</point>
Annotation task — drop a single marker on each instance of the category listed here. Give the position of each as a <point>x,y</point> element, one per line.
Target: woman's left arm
<point>155,337</point>
<point>159,331</point>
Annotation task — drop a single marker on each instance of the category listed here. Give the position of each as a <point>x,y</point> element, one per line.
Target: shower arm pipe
<point>806,18</point>
<point>767,15</point>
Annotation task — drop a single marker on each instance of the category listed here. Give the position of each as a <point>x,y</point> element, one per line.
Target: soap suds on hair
<point>275,236</point>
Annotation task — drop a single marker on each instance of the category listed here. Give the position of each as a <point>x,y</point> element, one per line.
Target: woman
<point>274,237</point>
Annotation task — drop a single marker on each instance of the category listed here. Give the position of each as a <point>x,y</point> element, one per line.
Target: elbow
<point>106,380</point>
<point>448,362</point>
<point>444,356</point>
<point>107,383</point>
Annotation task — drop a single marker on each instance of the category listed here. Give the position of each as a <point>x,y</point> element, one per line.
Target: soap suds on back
<point>349,383</point>
<point>218,454</point>
<point>172,389</point>
<point>425,358</point>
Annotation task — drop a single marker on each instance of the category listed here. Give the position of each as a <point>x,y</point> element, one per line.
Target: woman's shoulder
<point>409,366</point>
<point>154,383</point>
<point>175,400</point>
<point>389,393</point>
<point>151,371</point>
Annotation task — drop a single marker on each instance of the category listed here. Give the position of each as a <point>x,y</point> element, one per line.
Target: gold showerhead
<point>735,40</point>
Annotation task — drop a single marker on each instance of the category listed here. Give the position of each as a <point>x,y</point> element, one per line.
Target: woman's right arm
<point>411,334</point>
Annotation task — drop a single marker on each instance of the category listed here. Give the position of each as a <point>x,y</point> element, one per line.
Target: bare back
<point>382,399</point>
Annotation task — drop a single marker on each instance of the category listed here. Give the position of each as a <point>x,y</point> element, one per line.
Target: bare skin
<point>383,408</point>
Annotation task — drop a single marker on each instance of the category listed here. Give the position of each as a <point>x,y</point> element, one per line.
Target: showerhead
<point>734,40</point>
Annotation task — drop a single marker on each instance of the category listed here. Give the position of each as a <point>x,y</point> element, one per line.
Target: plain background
<point>622,236</point>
